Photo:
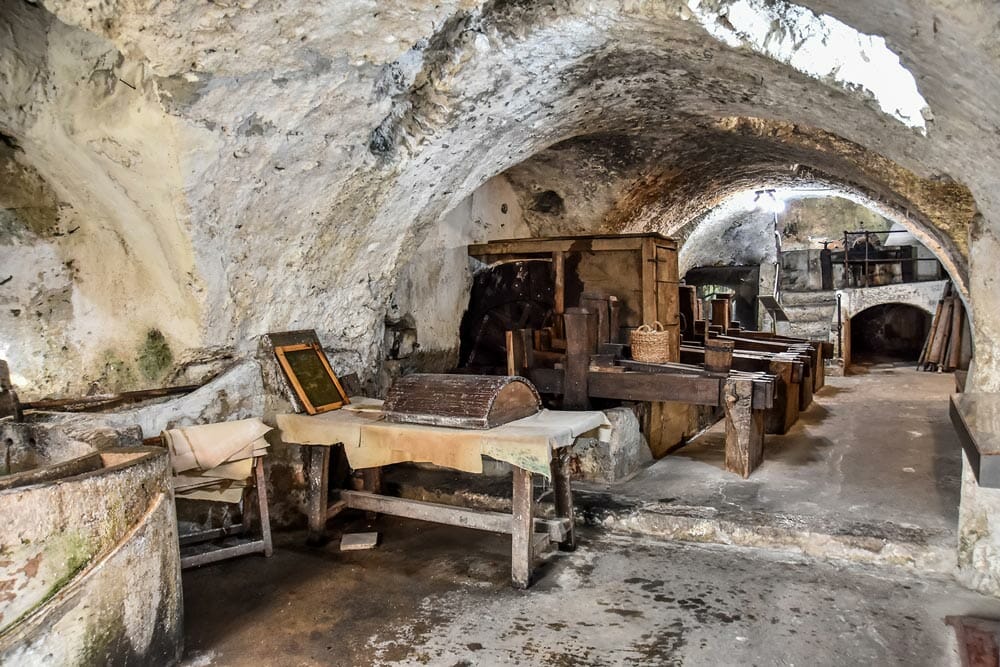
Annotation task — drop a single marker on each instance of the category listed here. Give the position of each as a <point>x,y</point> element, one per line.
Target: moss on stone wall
<point>155,356</point>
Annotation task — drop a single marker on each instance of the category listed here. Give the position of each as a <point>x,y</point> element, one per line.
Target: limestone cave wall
<point>181,177</point>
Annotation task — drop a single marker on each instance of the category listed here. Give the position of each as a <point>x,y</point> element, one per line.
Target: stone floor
<point>875,447</point>
<point>871,466</point>
<point>869,473</point>
<point>435,595</point>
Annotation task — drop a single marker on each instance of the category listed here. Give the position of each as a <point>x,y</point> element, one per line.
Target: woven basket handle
<point>644,328</point>
<point>659,327</point>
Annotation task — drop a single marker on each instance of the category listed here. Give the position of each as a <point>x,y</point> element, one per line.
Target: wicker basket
<point>650,344</point>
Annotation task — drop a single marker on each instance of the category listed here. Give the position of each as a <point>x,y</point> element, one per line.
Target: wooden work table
<point>537,445</point>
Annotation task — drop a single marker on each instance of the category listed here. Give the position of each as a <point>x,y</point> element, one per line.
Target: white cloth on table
<point>371,442</point>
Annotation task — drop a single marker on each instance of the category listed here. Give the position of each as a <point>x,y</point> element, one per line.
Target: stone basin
<point>89,560</point>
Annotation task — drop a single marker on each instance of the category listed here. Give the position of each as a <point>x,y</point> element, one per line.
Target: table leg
<point>260,481</point>
<point>523,528</point>
<point>563,495</point>
<point>372,480</point>
<point>319,483</point>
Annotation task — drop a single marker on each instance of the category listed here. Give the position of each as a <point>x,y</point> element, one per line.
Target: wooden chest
<point>460,401</point>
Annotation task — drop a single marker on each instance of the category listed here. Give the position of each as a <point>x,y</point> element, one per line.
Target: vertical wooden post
<point>513,353</point>
<point>260,484</point>
<point>955,341</point>
<point>563,494</point>
<point>522,529</point>
<point>319,484</point>
<point>944,327</point>
<point>579,346</point>
<point>372,481</point>
<point>614,319</point>
<point>648,281</point>
<point>687,310</point>
<point>598,306</point>
<point>559,291</point>
<point>744,428</point>
<point>520,351</point>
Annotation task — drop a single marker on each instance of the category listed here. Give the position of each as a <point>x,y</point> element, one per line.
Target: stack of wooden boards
<point>943,348</point>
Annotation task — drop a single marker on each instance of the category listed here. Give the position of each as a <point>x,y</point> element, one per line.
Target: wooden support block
<point>744,428</point>
<point>522,551</point>
<point>459,401</point>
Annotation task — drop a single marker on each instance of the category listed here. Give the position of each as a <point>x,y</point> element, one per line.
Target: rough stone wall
<point>286,157</point>
<point>317,146</point>
<point>432,292</point>
<point>99,279</point>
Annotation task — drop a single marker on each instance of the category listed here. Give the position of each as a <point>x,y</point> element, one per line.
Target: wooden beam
<point>223,553</point>
<point>533,246</point>
<point>497,522</point>
<point>636,386</point>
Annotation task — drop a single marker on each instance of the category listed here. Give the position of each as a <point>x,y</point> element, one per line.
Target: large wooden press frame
<point>658,273</point>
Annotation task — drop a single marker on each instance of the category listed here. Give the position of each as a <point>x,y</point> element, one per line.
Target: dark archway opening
<point>888,333</point>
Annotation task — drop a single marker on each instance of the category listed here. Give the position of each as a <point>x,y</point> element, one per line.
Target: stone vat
<point>89,562</point>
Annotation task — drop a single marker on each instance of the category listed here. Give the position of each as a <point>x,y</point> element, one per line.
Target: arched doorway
<point>889,332</point>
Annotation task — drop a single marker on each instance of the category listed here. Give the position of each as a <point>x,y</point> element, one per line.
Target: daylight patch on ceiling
<point>820,46</point>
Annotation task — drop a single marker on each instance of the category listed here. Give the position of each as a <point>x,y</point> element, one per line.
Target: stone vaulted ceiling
<point>259,165</point>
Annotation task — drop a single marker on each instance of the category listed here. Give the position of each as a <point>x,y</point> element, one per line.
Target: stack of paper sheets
<point>214,461</point>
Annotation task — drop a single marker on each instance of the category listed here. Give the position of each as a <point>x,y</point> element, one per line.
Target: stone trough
<point>89,562</point>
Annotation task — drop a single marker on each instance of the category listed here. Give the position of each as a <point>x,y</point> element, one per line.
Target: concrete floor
<point>875,447</point>
<point>435,595</point>
<point>873,459</point>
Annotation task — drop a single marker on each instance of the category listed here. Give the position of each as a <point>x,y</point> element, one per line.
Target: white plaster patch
<point>820,46</point>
